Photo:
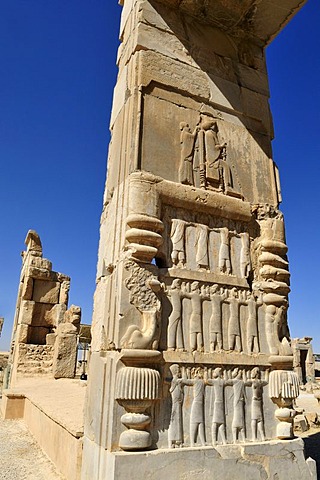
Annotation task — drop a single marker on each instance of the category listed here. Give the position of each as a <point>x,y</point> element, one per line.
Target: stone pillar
<point>41,307</point>
<point>192,281</point>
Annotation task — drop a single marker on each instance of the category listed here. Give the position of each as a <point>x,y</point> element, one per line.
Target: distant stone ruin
<point>44,339</point>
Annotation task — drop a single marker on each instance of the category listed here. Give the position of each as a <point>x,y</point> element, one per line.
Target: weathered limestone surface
<point>44,339</point>
<point>190,342</point>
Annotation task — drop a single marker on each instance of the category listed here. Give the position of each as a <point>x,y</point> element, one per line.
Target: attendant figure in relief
<point>196,336</point>
<point>177,236</point>
<point>215,323</point>
<point>271,329</point>
<point>219,415</point>
<point>234,331</point>
<point>238,421</point>
<point>187,142</point>
<point>252,323</point>
<point>224,252</point>
<point>197,425</point>
<point>257,421</point>
<point>245,262</point>
<point>175,432</point>
<point>201,245</point>
<point>175,335</point>
<point>281,321</point>
<point>213,157</point>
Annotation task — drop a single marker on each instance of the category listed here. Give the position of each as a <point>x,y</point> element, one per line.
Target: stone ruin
<point>44,339</point>
<point>303,360</point>
<point>191,367</point>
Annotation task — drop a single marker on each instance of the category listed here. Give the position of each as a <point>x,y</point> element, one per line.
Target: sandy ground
<point>20,456</point>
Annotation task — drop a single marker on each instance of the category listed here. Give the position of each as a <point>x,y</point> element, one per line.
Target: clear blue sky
<point>56,84</point>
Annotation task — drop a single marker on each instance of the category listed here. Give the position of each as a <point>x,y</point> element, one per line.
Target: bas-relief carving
<point>219,417</point>
<point>177,236</point>
<point>143,286</point>
<point>182,235</point>
<point>195,328</point>
<point>175,334</point>
<point>257,421</point>
<point>136,390</point>
<point>203,160</point>
<point>283,390</point>
<point>215,323</point>
<point>239,380</point>
<point>193,323</point>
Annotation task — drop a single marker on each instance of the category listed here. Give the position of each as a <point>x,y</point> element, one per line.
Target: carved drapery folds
<point>219,250</point>
<point>283,390</point>
<point>204,161</point>
<point>224,329</point>
<point>137,389</point>
<point>236,392</point>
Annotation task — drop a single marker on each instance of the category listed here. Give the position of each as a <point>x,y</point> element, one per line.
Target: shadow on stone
<point>311,447</point>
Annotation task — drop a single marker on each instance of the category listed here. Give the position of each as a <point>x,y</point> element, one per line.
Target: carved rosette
<point>283,390</point>
<point>137,389</point>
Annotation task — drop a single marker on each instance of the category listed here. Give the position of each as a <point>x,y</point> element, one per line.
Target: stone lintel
<point>260,21</point>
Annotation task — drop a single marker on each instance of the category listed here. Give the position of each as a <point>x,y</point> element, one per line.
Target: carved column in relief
<point>283,390</point>
<point>137,389</point>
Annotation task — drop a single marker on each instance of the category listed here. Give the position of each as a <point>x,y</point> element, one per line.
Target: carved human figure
<point>238,421</point>
<point>276,326</point>
<point>197,425</point>
<point>257,421</point>
<point>175,335</point>
<point>196,336</point>
<point>234,332</point>
<point>282,324</point>
<point>270,329</point>
<point>177,236</point>
<point>224,171</point>
<point>224,252</point>
<point>215,323</point>
<point>245,262</point>
<point>213,165</point>
<point>201,245</point>
<point>252,323</point>
<point>219,416</point>
<point>187,142</point>
<point>175,432</point>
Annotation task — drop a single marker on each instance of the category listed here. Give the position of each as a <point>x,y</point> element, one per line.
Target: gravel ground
<point>20,456</point>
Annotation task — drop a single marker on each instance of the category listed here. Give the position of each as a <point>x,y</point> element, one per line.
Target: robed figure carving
<point>203,158</point>
<point>187,142</point>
